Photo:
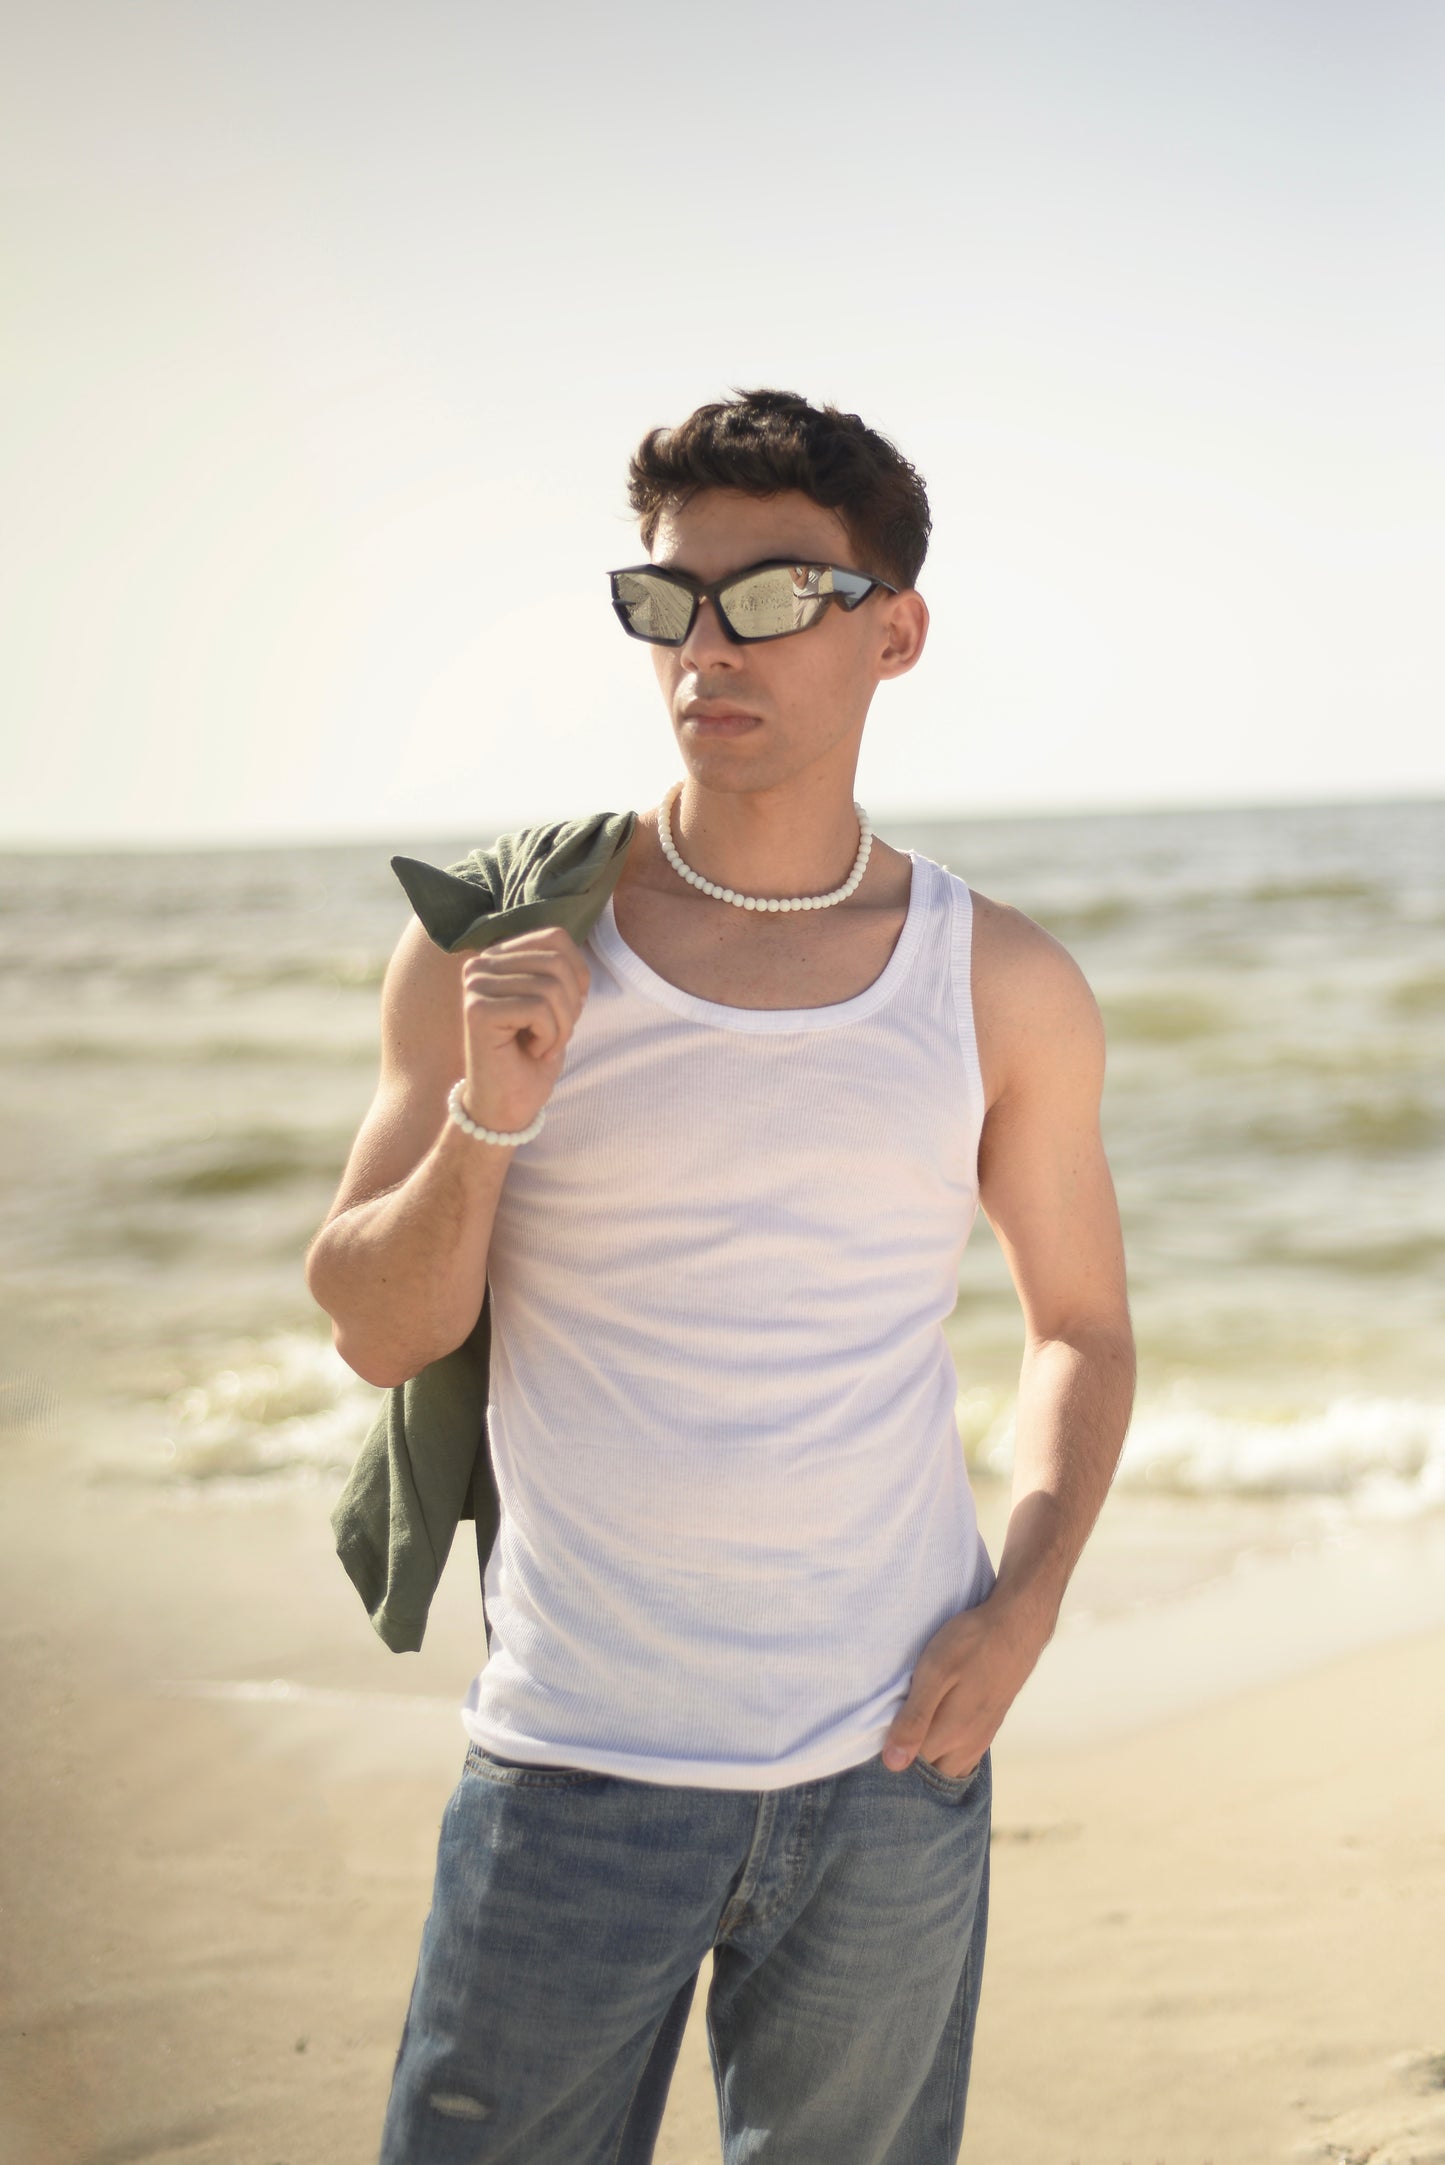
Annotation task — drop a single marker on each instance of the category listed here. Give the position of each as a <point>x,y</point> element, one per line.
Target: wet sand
<point>1216,1932</point>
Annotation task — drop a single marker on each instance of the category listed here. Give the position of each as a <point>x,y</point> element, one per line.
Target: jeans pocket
<point>949,1785</point>
<point>520,1774</point>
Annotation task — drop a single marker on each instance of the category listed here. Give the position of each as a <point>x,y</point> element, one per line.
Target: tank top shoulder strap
<point>960,914</point>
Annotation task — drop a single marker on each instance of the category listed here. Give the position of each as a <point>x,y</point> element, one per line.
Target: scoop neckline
<point>640,975</point>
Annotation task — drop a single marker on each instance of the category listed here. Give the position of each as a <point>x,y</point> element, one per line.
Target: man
<point>747,1650</point>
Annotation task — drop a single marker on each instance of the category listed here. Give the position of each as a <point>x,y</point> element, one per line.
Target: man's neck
<point>801,839</point>
<point>763,959</point>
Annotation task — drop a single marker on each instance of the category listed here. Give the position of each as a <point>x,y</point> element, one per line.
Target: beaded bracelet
<point>469,1126</point>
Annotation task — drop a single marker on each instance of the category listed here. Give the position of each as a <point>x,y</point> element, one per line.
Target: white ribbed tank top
<point>734,1505</point>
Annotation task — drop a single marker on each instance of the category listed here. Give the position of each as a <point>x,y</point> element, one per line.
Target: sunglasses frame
<point>713,589</point>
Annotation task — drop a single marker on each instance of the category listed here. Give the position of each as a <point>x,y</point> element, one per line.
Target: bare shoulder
<point>1036,1020</point>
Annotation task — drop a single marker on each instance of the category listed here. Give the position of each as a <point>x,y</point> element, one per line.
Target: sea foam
<point>1380,1458</point>
<point>289,1404</point>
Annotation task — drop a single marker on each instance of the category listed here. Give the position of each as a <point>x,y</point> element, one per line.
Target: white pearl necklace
<point>763,902</point>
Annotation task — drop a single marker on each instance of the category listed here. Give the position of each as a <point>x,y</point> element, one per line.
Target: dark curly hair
<point>762,442</point>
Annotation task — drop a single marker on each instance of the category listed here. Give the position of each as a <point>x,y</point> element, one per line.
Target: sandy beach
<point>1216,1932</point>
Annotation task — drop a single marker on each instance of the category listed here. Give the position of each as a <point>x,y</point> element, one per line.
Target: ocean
<point>190,1041</point>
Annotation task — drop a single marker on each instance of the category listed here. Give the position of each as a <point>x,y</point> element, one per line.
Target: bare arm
<point>400,1263</point>
<point>1044,1183</point>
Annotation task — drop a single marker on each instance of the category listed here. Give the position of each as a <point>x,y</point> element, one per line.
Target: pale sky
<point>329,329</point>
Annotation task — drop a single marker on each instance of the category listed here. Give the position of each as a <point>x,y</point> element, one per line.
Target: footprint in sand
<point>1403,2123</point>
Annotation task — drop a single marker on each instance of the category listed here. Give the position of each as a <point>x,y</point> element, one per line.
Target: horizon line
<point>363,838</point>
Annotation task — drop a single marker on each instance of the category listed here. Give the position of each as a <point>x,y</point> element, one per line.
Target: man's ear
<point>905,628</point>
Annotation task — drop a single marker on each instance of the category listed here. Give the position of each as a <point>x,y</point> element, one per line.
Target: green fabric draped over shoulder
<point>426,1463</point>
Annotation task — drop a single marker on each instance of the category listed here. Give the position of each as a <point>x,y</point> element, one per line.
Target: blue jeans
<point>570,1916</point>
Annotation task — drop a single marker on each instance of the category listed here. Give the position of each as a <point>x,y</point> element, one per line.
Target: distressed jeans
<point>571,1913</point>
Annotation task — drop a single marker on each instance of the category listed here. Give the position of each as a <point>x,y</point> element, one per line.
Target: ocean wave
<point>239,1162</point>
<point>1423,994</point>
<point>1403,1124</point>
<point>1318,887</point>
<point>1382,1458</point>
<point>289,1404</point>
<point>187,969</point>
<point>101,1050</point>
<point>1162,1017</point>
<point>1352,1254</point>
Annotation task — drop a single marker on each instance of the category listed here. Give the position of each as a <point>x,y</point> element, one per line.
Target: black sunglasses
<point>771,600</point>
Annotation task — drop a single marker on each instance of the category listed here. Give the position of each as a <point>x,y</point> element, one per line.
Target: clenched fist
<point>520,1003</point>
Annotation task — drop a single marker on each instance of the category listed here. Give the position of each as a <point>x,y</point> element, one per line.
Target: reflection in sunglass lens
<point>656,608</point>
<point>784,598</point>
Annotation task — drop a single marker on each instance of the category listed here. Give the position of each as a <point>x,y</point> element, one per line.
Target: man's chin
<point>726,763</point>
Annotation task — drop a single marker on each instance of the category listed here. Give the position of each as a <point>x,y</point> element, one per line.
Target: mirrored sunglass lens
<point>656,609</point>
<point>784,598</point>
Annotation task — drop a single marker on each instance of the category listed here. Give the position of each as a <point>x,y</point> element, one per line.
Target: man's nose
<point>707,644</point>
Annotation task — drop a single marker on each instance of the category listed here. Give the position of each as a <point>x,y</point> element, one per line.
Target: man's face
<point>748,717</point>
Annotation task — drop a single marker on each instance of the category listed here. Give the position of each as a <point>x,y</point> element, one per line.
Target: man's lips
<point>715,717</point>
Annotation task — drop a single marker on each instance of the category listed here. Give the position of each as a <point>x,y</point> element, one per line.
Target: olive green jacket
<point>426,1463</point>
